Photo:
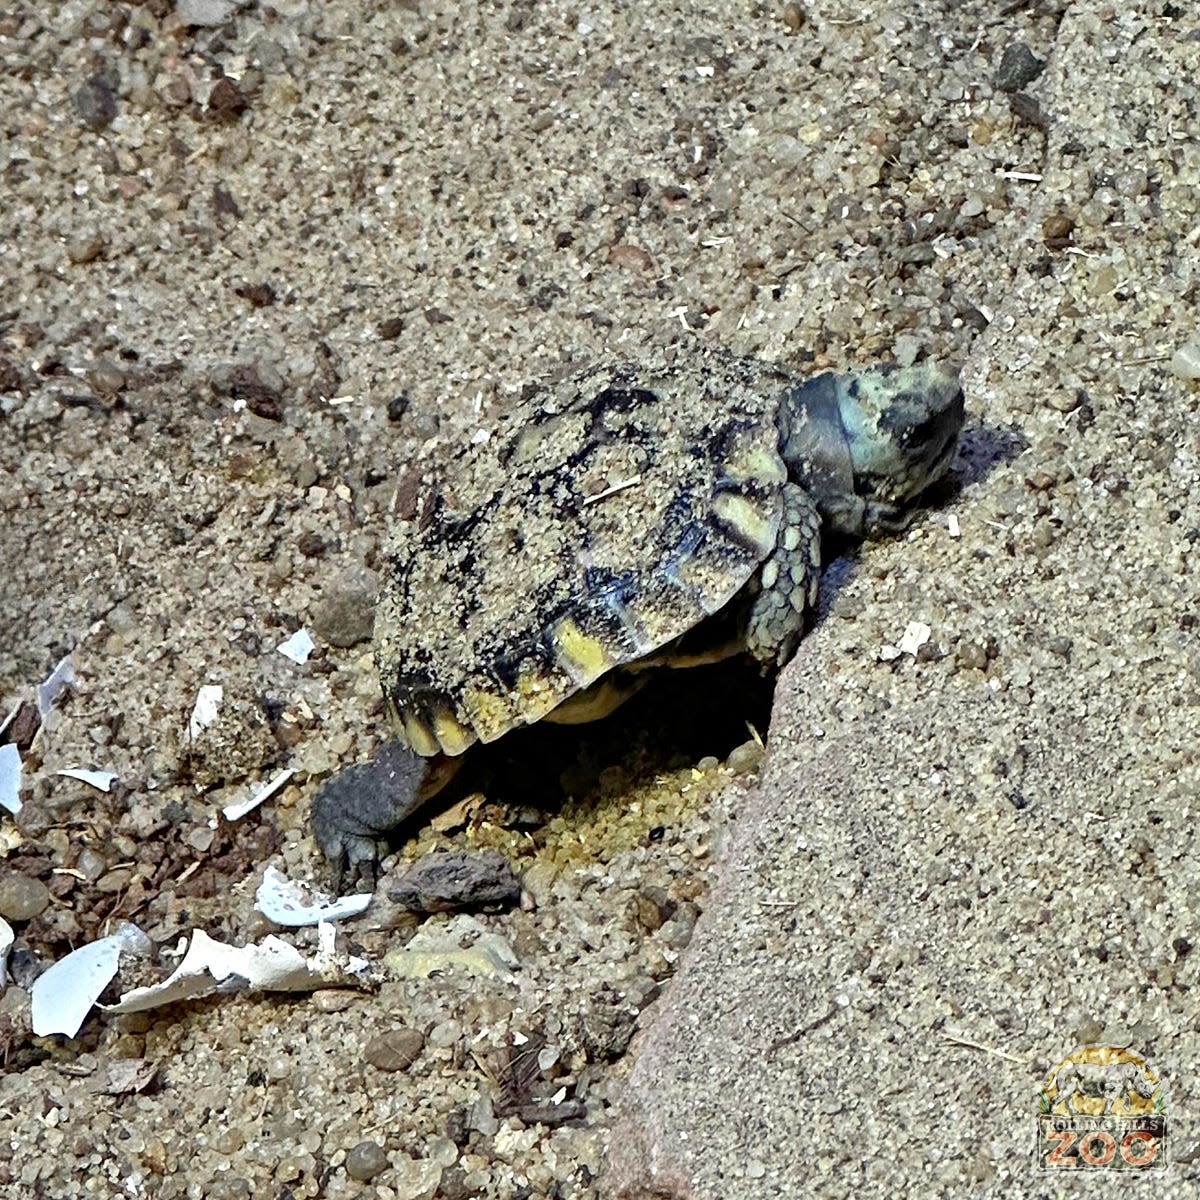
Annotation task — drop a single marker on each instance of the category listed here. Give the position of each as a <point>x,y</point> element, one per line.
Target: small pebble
<point>1018,67</point>
<point>205,12</point>
<point>21,897</point>
<point>746,759</point>
<point>1057,229</point>
<point>395,1050</point>
<point>365,1161</point>
<point>345,616</point>
<point>106,377</point>
<point>793,17</point>
<point>446,1033</point>
<point>84,247</point>
<point>96,103</point>
<point>1185,362</point>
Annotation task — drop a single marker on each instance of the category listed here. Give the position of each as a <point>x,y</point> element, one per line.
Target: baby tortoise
<point>628,518</point>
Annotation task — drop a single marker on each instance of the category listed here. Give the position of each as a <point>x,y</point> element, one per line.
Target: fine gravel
<point>265,264</point>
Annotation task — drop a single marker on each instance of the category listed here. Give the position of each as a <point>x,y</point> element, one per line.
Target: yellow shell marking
<point>755,463</point>
<point>747,518</point>
<point>491,714</point>
<point>584,657</point>
<point>454,736</point>
<point>419,737</point>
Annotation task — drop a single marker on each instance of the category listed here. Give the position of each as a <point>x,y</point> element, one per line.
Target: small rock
<point>746,759</point>
<point>1026,108</point>
<point>424,425</point>
<point>389,330</point>
<point>631,258</point>
<point>226,102</point>
<point>483,1118</point>
<point>365,1161</point>
<point>1185,362</point>
<point>21,897</point>
<point>793,17</point>
<point>971,656</point>
<point>1057,229</point>
<point>345,616</point>
<point>444,881</point>
<point>678,931</point>
<point>395,1050</point>
<point>23,727</point>
<point>106,377</point>
<point>312,545</point>
<point>551,1114</point>
<point>260,295</point>
<point>442,1151</point>
<point>261,387</point>
<point>397,406</point>
<point>85,247</point>
<point>96,103</point>
<point>446,1034</point>
<point>1018,66</point>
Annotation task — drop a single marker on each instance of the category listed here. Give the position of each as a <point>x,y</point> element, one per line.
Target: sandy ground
<point>260,274</point>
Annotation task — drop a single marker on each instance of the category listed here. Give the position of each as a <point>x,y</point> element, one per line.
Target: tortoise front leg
<point>788,582</point>
<point>356,810</point>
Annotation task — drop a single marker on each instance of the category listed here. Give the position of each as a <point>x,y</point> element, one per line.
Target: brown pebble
<point>395,1050</point>
<point>390,329</point>
<point>84,247</point>
<point>971,656</point>
<point>333,1000</point>
<point>312,545</point>
<point>226,102</point>
<point>631,258</point>
<point>22,729</point>
<point>793,17</point>
<point>1057,229</point>
<point>260,295</point>
<point>648,915</point>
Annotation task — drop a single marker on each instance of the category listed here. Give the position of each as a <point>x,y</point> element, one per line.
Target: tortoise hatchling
<point>628,518</point>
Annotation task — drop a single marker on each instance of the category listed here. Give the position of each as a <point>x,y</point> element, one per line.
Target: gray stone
<point>22,897</point>
<point>365,1161</point>
<point>345,615</point>
<point>395,1050</point>
<point>444,881</point>
<point>1018,67</point>
<point>211,13</point>
<point>96,103</point>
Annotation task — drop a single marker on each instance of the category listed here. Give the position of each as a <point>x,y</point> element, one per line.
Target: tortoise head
<point>867,443</point>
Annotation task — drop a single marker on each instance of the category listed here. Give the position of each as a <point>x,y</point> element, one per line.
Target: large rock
<point>964,864</point>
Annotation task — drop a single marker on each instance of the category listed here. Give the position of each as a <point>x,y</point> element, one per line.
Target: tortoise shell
<point>604,518</point>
